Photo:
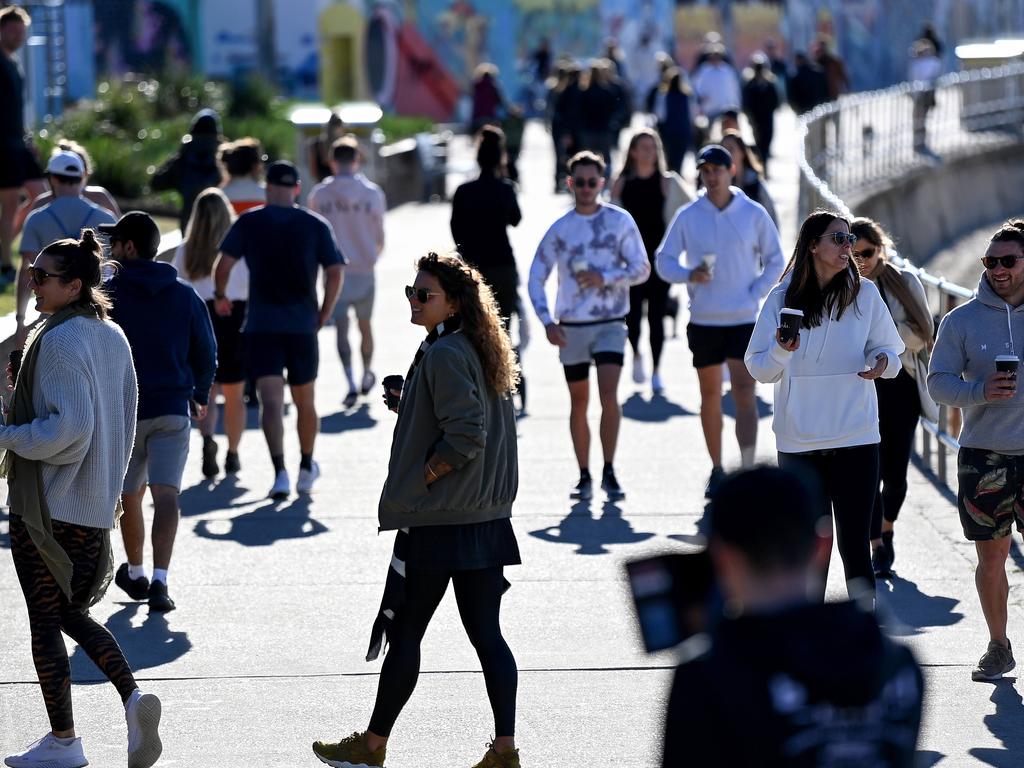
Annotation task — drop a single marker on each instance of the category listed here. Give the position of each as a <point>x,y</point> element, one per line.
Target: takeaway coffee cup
<point>1007,364</point>
<point>789,324</point>
<point>393,382</point>
<point>708,260</point>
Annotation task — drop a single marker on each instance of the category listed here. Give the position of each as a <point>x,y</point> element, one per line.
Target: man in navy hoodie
<point>169,330</point>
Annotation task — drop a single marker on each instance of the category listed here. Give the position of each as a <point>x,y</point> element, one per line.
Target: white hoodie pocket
<point>825,407</point>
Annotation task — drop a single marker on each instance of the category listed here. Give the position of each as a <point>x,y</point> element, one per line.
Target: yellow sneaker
<point>507,759</point>
<point>351,752</point>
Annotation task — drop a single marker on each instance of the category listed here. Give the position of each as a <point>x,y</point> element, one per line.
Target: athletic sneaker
<point>351,398</point>
<point>231,463</point>
<point>282,486</point>
<point>137,589</point>
<point>350,752</point>
<point>996,662</point>
<point>887,543</point>
<point>306,479</point>
<point>507,759</point>
<point>611,486</point>
<point>584,490</point>
<point>656,386</point>
<point>639,374</point>
<point>715,480</point>
<point>50,752</point>
<point>367,383</point>
<point>159,600</point>
<point>142,713</point>
<point>210,468</point>
<point>881,561</point>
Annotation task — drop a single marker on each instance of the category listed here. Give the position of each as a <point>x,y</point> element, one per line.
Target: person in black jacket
<point>787,680</point>
<point>760,100</point>
<point>807,87</point>
<point>194,166</point>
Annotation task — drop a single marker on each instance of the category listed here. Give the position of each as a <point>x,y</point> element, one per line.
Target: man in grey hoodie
<point>990,465</point>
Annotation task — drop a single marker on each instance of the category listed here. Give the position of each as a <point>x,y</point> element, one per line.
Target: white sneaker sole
<point>980,677</point>
<point>15,762</point>
<point>148,749</point>
<point>342,763</point>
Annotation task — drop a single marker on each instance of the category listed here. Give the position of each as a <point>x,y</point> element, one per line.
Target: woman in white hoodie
<point>826,409</point>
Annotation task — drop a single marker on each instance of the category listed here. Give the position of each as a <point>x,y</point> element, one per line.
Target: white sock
<point>65,742</point>
<point>136,571</point>
<point>160,574</point>
<point>747,456</point>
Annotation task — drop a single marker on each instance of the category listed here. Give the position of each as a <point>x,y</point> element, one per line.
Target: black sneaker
<point>715,480</point>
<point>611,486</point>
<point>137,589</point>
<point>231,463</point>
<point>210,468</point>
<point>584,490</point>
<point>881,562</point>
<point>887,543</point>
<point>159,600</point>
<point>350,399</point>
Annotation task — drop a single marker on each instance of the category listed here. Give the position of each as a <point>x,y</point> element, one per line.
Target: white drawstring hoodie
<point>820,401</point>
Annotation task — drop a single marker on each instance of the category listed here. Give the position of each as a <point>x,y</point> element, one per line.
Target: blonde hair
<point>212,216</point>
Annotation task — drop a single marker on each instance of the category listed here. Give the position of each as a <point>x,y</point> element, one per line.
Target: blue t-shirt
<point>283,247</point>
<point>61,218</point>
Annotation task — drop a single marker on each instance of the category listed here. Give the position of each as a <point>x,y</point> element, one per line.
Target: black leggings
<point>50,612</point>
<point>478,594</point>
<point>655,293</point>
<point>849,482</point>
<point>899,405</point>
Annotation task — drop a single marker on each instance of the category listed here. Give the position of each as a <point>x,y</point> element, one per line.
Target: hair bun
<point>88,236</point>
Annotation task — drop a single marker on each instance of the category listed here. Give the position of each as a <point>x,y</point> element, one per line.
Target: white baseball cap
<point>66,163</point>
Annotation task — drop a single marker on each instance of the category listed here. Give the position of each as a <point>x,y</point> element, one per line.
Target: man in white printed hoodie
<point>726,249</point>
<point>990,464</point>
<point>598,253</point>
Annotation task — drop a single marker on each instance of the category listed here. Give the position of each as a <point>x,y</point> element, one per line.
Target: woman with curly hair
<point>452,478</point>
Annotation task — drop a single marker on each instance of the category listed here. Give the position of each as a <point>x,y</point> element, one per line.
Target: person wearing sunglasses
<point>452,480</point>
<point>726,249</point>
<point>900,400</point>
<point>826,407</point>
<point>990,464</point>
<point>68,437</point>
<point>598,253</point>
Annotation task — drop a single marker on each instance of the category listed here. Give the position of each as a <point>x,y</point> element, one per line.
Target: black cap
<point>136,227</point>
<point>715,154</point>
<point>282,174</point>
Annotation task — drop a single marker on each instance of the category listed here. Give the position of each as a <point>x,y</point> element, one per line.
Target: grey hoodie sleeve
<point>947,366</point>
<point>458,405</point>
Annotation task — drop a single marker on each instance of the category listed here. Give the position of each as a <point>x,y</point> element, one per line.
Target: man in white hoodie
<point>990,464</point>
<point>726,249</point>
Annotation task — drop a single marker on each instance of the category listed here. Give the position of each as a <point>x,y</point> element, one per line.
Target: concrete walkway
<point>265,653</point>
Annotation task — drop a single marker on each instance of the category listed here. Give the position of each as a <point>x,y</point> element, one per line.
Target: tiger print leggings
<point>50,612</point>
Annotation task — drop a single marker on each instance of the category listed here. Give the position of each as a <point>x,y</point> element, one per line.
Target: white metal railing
<point>868,139</point>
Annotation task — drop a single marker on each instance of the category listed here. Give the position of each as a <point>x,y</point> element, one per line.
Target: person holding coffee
<point>826,409</point>
<point>903,399</point>
<point>975,340</point>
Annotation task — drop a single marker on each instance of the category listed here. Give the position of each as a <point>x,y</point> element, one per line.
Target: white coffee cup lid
<point>1003,358</point>
<point>788,311</point>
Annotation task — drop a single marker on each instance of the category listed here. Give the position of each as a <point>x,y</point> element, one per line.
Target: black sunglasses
<point>422,294</point>
<point>841,238</point>
<point>40,276</point>
<point>867,253</point>
<point>591,182</point>
<point>991,262</point>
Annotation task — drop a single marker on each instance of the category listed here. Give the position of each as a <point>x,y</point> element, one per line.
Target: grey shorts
<point>159,453</point>
<point>357,292</point>
<point>585,342</point>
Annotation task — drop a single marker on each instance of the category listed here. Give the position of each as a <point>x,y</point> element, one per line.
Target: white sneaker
<point>48,752</point>
<point>282,485</point>
<point>656,386</point>
<point>367,383</point>
<point>142,712</point>
<point>639,374</point>
<point>306,479</point>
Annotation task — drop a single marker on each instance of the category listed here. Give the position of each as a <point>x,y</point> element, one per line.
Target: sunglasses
<point>865,254</point>
<point>991,262</point>
<point>590,182</point>
<point>840,238</point>
<point>40,276</point>
<point>422,294</point>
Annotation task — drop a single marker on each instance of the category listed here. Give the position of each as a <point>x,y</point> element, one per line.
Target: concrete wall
<point>930,208</point>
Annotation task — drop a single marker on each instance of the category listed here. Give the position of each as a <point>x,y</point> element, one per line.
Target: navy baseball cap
<point>715,154</point>
<point>136,227</point>
<point>282,174</point>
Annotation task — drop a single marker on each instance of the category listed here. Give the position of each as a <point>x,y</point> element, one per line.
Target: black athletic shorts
<point>270,354</point>
<point>230,350</point>
<point>17,165</point>
<point>991,493</point>
<point>713,344</point>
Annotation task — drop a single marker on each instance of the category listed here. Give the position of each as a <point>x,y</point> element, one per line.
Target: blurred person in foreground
<point>787,680</point>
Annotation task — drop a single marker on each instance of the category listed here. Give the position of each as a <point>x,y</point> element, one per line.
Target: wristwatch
<point>218,295</point>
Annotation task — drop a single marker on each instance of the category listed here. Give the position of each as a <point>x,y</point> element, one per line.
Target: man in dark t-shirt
<point>18,165</point>
<point>284,247</point>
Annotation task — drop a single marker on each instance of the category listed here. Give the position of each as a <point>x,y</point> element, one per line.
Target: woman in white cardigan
<point>68,438</point>
<point>826,410</point>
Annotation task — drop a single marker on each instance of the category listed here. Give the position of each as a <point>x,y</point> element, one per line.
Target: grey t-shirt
<point>64,217</point>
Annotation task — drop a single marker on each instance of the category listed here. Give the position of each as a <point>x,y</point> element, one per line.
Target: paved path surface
<point>265,653</point>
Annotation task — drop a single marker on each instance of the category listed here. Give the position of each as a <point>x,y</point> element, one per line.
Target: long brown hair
<point>478,310</point>
<point>212,216</point>
<point>803,292</point>
<point>628,171</point>
<point>83,259</point>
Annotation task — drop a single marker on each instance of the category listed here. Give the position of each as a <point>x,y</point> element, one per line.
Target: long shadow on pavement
<point>926,758</point>
<point>590,534</point>
<point>905,610</point>
<point>729,406</point>
<point>149,645</point>
<point>700,537</point>
<point>5,540</point>
<point>210,496</point>
<point>1006,724</point>
<point>657,408</point>
<point>343,421</point>
<point>264,525</point>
